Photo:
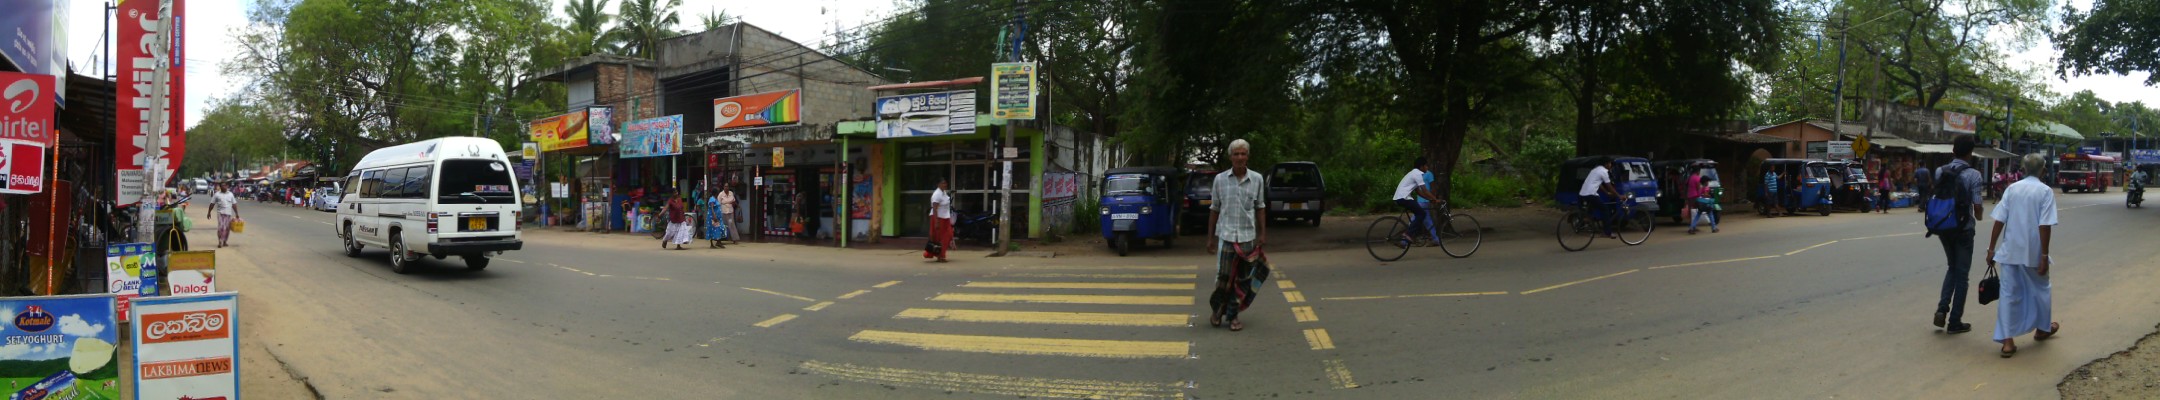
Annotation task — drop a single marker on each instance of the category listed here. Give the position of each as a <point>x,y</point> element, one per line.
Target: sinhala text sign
<point>1014,88</point>
<point>59,347</point>
<point>926,114</point>
<point>653,137</point>
<point>187,347</point>
<point>126,267</point>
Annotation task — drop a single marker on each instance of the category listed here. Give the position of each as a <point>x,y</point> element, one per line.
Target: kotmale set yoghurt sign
<point>59,347</point>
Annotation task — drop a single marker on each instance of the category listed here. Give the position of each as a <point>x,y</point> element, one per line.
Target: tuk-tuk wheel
<point>1123,243</point>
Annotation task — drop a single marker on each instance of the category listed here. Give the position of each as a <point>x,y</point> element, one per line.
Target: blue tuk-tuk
<point>1634,177</point>
<point>1803,184</point>
<point>1141,203</point>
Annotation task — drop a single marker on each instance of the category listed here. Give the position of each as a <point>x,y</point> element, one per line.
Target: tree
<point>588,21</point>
<point>1930,47</point>
<point>713,19</point>
<point>643,24</point>
<point>1639,58</point>
<point>2117,36</point>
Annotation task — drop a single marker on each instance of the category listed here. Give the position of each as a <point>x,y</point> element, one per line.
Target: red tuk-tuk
<point>2086,172</point>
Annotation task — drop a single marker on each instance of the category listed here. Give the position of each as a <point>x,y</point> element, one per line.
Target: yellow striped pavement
<point>1040,317</point>
<point>1028,345</point>
<point>1066,299</point>
<point>1082,285</point>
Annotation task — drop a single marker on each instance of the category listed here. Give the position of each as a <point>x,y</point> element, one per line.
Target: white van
<point>453,196</point>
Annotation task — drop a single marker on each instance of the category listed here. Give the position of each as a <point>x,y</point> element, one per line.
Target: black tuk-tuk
<point>1672,184</point>
<point>1141,203</point>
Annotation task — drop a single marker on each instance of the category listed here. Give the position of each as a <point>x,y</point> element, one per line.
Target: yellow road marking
<point>886,284</point>
<point>998,384</point>
<point>1405,296</point>
<point>1715,262</point>
<point>1811,247</point>
<point>776,320</point>
<point>1066,299</point>
<point>1293,296</point>
<point>1115,267</point>
<point>1285,284</point>
<point>1036,317</point>
<point>1104,276</point>
<point>1304,314</point>
<point>781,294</point>
<point>851,295</point>
<point>1081,285</point>
<point>1578,282</point>
<point>818,306</point>
<point>1318,338</point>
<point>1028,345</point>
<point>1339,375</point>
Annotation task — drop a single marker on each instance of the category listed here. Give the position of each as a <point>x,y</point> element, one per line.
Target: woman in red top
<point>678,227</point>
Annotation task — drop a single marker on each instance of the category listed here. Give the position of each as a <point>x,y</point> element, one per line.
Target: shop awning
<point>1751,138</point>
<point>1884,139</point>
<point>2051,128</point>
<point>1990,152</point>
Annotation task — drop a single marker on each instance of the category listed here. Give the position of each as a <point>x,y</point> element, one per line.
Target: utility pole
<point>1837,121</point>
<point>154,147</point>
<point>1004,231</point>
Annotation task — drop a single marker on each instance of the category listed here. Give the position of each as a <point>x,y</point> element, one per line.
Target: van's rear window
<point>475,182</point>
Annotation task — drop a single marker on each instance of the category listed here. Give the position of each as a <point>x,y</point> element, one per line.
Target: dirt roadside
<point>2127,374</point>
<point>261,373</point>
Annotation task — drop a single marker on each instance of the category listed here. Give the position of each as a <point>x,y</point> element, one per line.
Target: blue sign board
<point>927,114</point>
<point>2145,156</point>
<point>2089,150</point>
<point>33,37</point>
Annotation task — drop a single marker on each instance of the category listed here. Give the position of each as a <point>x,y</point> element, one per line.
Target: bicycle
<point>1459,235</point>
<point>1578,224</point>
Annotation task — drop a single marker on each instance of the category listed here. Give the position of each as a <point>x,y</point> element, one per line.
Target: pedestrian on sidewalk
<point>715,220</point>
<point>1770,193</point>
<point>678,227</point>
<point>1236,224</point>
<point>727,209</point>
<point>1923,182</point>
<point>225,207</point>
<point>1964,185</point>
<point>1884,188</point>
<point>941,234</point>
<point>2025,221</point>
<point>1700,204</point>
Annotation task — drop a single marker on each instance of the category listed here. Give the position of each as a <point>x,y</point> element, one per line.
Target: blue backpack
<point>1949,208</point>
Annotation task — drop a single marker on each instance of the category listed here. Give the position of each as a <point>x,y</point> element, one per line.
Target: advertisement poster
<point>60,347</point>
<point>927,114</point>
<point>600,125</point>
<point>1841,150</point>
<point>125,266</point>
<point>530,151</point>
<point>135,22</point>
<point>1959,122</point>
<point>26,108</point>
<point>187,347</point>
<point>762,109</point>
<point>36,41</point>
<point>560,132</point>
<point>22,167</point>
<point>1014,88</point>
<point>191,273</point>
<point>859,197</point>
<point>653,137</point>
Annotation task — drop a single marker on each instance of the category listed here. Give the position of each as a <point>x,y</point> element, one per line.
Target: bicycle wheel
<point>1461,235</point>
<point>1575,231</point>
<point>1387,239</point>
<point>1635,229</point>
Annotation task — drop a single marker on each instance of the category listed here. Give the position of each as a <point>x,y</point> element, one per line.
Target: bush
<point>1087,215</point>
<point>1472,188</point>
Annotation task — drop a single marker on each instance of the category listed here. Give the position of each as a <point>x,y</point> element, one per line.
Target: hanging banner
<point>561,132</point>
<point>762,109</point>
<point>136,25</point>
<point>60,347</point>
<point>125,266</point>
<point>926,114</point>
<point>1013,85</point>
<point>1959,122</point>
<point>26,108</point>
<point>186,347</point>
<point>653,137</point>
<point>22,167</point>
<point>191,273</point>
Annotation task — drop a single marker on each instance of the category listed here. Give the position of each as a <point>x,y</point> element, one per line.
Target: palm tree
<point>587,18</point>
<point>644,23</point>
<point>714,19</point>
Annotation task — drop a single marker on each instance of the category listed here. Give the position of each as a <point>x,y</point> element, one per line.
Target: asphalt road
<point>1799,307</point>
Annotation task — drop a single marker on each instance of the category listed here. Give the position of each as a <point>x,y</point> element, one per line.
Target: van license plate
<point>476,224</point>
<point>1295,206</point>
<point>1124,216</point>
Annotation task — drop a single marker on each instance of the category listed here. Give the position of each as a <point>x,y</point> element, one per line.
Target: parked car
<point>1296,191</point>
<point>1199,195</point>
<point>200,186</point>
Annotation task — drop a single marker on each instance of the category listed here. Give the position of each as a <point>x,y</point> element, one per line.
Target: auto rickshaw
<point>1141,203</point>
<point>1632,177</point>
<point>1804,184</point>
<point>1672,185</point>
<point>1852,185</point>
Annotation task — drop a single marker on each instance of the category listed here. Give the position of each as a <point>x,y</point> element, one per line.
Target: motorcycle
<point>2137,194</point>
<point>975,227</point>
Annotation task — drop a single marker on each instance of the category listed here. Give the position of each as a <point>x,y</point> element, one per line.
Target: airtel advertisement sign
<point>26,130</point>
<point>138,53</point>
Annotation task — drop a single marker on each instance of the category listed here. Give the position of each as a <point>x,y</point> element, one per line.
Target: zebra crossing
<point>1041,331</point>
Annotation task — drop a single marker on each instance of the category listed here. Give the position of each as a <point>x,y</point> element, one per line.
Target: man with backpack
<point>1951,213</point>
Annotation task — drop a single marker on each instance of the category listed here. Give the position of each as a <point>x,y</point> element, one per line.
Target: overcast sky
<point>210,23</point>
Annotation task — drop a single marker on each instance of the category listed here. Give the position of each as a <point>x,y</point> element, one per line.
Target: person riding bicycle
<point>1598,188</point>
<point>1408,191</point>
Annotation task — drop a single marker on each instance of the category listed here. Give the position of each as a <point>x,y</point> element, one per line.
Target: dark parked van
<point>1296,191</point>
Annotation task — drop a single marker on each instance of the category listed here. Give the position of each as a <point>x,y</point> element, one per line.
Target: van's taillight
<point>518,219</point>
<point>431,218</point>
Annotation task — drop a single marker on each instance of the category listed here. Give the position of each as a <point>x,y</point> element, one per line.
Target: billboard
<point>561,132</point>
<point>653,137</point>
<point>33,37</point>
<point>762,109</point>
<point>26,108</point>
<point>926,114</point>
<point>137,59</point>
<point>600,124</point>
<point>187,347</point>
<point>1955,122</point>
<point>1014,85</point>
<point>2141,156</point>
<point>60,347</point>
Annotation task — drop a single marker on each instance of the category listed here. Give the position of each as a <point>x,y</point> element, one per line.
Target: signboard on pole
<point>187,347</point>
<point>125,266</point>
<point>1014,88</point>
<point>1841,150</point>
<point>653,137</point>
<point>561,132</point>
<point>135,23</point>
<point>191,273</point>
<point>926,114</point>
<point>60,347</point>
<point>1955,122</point>
<point>762,109</point>
<point>26,108</point>
<point>22,167</point>
<point>530,150</point>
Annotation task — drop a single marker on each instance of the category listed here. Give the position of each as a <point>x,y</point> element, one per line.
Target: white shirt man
<point>2024,220</point>
<point>1599,177</point>
<point>1406,189</point>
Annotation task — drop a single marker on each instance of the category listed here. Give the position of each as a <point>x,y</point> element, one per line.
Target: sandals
<point>2053,327</point>
<point>1215,320</point>
<point>2009,349</point>
<point>1236,325</point>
